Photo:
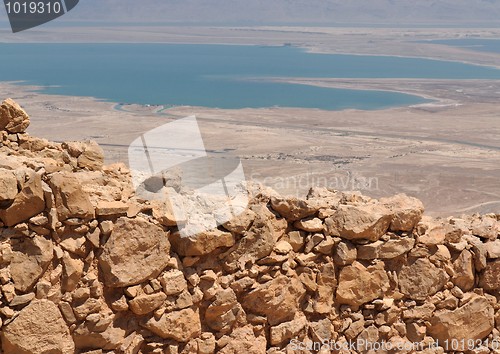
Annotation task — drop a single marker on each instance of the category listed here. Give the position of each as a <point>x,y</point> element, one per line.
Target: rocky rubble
<point>86,266</point>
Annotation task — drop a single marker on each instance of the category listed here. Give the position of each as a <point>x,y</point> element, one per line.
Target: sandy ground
<point>446,153</point>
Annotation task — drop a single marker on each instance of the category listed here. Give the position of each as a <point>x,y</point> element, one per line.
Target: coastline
<point>399,42</point>
<point>415,149</point>
<point>358,84</point>
<point>405,149</point>
<point>428,57</point>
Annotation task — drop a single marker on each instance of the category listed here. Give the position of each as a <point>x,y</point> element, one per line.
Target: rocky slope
<point>88,267</point>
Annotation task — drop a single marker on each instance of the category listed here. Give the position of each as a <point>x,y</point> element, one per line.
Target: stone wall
<point>88,267</point>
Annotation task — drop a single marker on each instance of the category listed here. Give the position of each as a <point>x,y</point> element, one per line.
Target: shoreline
<point>492,66</point>
<point>40,89</point>
<point>404,42</point>
<point>336,84</point>
<point>412,149</point>
<point>305,48</point>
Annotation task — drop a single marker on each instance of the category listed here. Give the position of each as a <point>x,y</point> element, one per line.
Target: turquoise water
<point>483,45</point>
<point>216,75</point>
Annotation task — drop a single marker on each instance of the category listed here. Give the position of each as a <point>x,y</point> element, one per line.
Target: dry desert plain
<point>447,153</point>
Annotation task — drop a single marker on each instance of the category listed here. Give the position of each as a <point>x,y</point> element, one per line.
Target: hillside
<point>87,266</point>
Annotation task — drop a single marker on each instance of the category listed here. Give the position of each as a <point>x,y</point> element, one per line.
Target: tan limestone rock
<point>137,250</point>
<point>222,313</point>
<point>490,279</point>
<point>27,203</point>
<point>144,304</point>
<point>201,243</point>
<point>39,328</point>
<point>474,320</point>
<point>71,200</point>
<point>88,335</point>
<point>310,224</point>
<point>13,118</point>
<point>92,156</point>
<point>163,212</point>
<point>353,222</point>
<point>359,284</point>
<point>241,223</point>
<point>485,227</point>
<point>386,249</point>
<point>244,340</point>
<point>278,299</point>
<point>180,325</point>
<point>30,260</point>
<point>464,271</point>
<point>72,272</point>
<point>173,282</point>
<point>345,253</point>
<point>292,209</point>
<point>256,244</point>
<point>327,283</point>
<point>111,208</point>
<point>8,186</point>
<point>421,279</point>
<point>493,249</point>
<point>286,331</point>
<point>407,212</point>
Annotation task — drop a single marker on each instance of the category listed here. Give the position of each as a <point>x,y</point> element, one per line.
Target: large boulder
<point>30,259</point>
<point>13,118</point>
<point>421,279</point>
<point>71,200</point>
<point>28,202</point>
<point>137,250</point>
<point>386,249</point>
<point>39,329</point>
<point>407,211</point>
<point>473,321</point>
<point>359,284</point>
<point>353,222</point>
<point>278,299</point>
<point>180,325</point>
<point>201,243</point>
<point>92,156</point>
<point>292,209</point>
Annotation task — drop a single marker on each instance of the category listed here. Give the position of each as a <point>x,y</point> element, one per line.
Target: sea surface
<point>483,45</point>
<point>222,76</point>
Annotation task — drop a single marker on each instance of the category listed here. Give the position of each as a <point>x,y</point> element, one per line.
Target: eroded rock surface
<point>137,250</point>
<point>39,328</point>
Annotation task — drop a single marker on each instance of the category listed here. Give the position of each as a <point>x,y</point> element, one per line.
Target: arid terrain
<point>446,152</point>
<point>88,265</point>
